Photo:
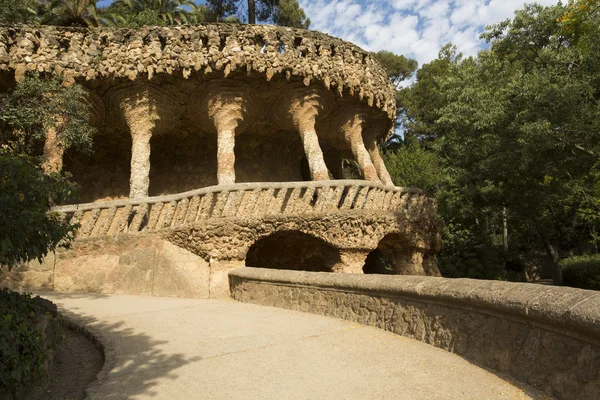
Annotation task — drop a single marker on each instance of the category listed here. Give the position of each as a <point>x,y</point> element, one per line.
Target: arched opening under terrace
<point>293,250</point>
<point>395,255</point>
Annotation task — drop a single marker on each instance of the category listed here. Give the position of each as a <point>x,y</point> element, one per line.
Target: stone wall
<point>546,336</point>
<point>143,265</point>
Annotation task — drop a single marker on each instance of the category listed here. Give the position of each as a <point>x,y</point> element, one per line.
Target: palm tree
<point>170,11</point>
<point>71,13</point>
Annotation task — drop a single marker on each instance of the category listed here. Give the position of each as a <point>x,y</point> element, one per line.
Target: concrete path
<point>160,348</point>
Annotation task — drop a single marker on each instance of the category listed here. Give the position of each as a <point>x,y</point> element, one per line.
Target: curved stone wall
<point>546,336</point>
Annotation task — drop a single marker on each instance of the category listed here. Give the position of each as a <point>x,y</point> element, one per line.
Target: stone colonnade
<point>228,108</point>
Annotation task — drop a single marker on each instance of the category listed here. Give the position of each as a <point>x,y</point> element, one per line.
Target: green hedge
<point>22,347</point>
<point>582,271</point>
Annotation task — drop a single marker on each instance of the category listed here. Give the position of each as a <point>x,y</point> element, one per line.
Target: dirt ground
<point>77,362</point>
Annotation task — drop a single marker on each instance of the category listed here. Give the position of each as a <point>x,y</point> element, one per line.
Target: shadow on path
<point>134,362</point>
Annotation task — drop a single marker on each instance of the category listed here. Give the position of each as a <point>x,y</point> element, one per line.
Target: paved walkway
<point>160,348</point>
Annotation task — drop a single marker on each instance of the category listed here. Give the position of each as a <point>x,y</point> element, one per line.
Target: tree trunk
<point>251,12</point>
<point>557,275</point>
<point>505,230</point>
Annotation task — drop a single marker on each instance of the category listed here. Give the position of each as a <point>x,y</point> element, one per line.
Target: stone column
<point>139,180</point>
<point>139,106</point>
<point>351,261</point>
<point>406,261</point>
<point>225,156</point>
<point>429,265</point>
<point>226,120</point>
<point>370,139</point>
<point>352,130</point>
<point>145,110</point>
<point>53,152</point>
<point>298,108</point>
<point>312,149</point>
<point>228,108</point>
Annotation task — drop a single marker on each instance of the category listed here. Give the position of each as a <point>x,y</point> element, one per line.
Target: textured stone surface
<point>103,53</point>
<point>191,259</point>
<point>145,265</point>
<point>185,107</point>
<point>214,84</point>
<point>546,336</point>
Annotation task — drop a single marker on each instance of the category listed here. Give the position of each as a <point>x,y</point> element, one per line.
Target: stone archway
<point>395,255</point>
<point>377,263</point>
<point>293,250</point>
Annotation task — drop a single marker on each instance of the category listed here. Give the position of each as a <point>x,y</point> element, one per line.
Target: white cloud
<point>415,28</point>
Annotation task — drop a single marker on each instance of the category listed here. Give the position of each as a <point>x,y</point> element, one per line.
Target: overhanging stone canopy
<point>332,98</point>
<point>220,146</point>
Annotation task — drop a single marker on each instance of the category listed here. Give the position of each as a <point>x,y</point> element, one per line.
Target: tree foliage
<point>398,67</point>
<point>280,12</point>
<point>71,13</point>
<point>18,11</point>
<point>221,9</point>
<point>419,104</point>
<point>413,166</point>
<point>22,346</point>
<point>516,128</point>
<point>289,13</point>
<point>27,112</point>
<point>37,105</point>
<point>138,13</point>
<point>29,230</point>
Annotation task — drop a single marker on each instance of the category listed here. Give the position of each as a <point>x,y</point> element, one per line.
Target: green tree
<point>27,112</point>
<point>289,13</point>
<point>413,166</point>
<point>221,9</point>
<point>419,104</point>
<point>398,67</point>
<point>71,13</point>
<point>200,13</point>
<point>278,12</point>
<point>29,230</point>
<point>34,107</point>
<point>18,11</point>
<point>522,121</point>
<point>137,13</point>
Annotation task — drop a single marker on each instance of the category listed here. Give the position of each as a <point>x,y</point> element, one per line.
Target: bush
<point>582,271</point>
<point>467,253</point>
<point>29,231</point>
<point>22,348</point>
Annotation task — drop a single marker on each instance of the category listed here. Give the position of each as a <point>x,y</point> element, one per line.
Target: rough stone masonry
<point>219,146</point>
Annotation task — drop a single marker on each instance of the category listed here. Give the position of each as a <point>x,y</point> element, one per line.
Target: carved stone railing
<point>108,54</point>
<point>243,200</point>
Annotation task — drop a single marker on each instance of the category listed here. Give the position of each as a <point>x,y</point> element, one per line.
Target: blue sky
<point>415,28</point>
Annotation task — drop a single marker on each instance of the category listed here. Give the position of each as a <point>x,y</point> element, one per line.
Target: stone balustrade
<point>546,336</point>
<point>245,200</point>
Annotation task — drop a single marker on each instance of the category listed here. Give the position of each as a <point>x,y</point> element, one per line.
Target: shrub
<point>582,271</point>
<point>22,347</point>
<point>29,231</point>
